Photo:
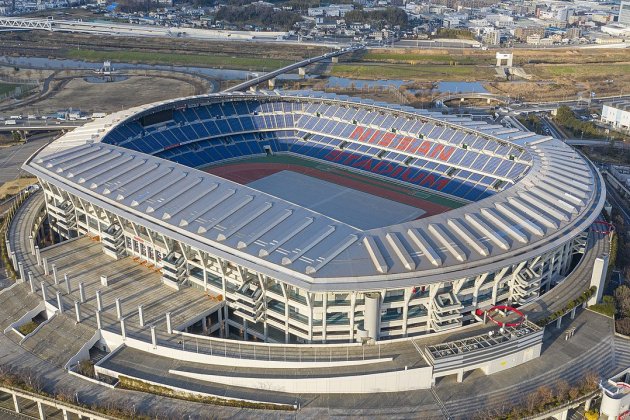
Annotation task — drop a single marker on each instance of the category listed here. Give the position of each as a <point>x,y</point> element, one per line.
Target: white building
<point>617,114</point>
<point>624,13</point>
<point>616,396</point>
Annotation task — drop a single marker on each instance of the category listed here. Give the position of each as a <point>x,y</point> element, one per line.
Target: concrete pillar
<point>67,281</point>
<point>99,301</point>
<point>82,292</point>
<point>123,331</point>
<point>99,325</point>
<point>460,376</point>
<point>45,264</point>
<point>119,309</point>
<point>272,83</point>
<point>169,327</point>
<point>40,409</point>
<point>153,337</point>
<point>31,282</point>
<point>141,315</point>
<point>38,255</point>
<point>32,242</point>
<point>372,314</point>
<point>59,302</point>
<point>64,412</point>
<point>302,71</point>
<point>335,59</point>
<point>573,312</point>
<point>220,312</point>
<point>245,335</point>
<point>54,271</point>
<point>44,294</point>
<point>21,271</point>
<point>204,325</point>
<point>104,281</point>
<point>600,268</point>
<point>559,322</point>
<point>16,403</point>
<point>77,310</point>
<point>14,259</point>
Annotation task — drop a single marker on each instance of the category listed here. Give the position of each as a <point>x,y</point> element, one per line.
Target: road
<point>11,158</point>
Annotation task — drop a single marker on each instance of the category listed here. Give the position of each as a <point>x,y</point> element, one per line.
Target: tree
<point>562,390</point>
<point>623,326</point>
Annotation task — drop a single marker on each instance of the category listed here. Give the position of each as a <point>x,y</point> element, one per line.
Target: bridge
<point>300,64</point>
<point>489,97</point>
<point>22,23</point>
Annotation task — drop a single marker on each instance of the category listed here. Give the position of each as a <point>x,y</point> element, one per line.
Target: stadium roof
<point>557,198</point>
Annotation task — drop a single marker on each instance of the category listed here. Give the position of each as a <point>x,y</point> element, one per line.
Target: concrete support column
<point>14,259</point>
<point>302,71</point>
<point>559,322</point>
<point>77,310</point>
<point>245,335</point>
<point>372,314</point>
<point>64,412</point>
<point>169,327</point>
<point>31,282</point>
<point>141,315</point>
<point>82,292</point>
<point>44,294</point>
<point>40,409</point>
<point>32,242</point>
<point>204,325</point>
<point>99,325</point>
<point>220,313</point>
<point>123,331</point>
<point>598,278</point>
<point>460,376</point>
<point>119,309</point>
<point>335,59</point>
<point>573,312</point>
<point>38,255</point>
<point>59,302</point>
<point>66,279</point>
<point>99,301</point>
<point>272,83</point>
<point>45,264</point>
<point>153,337</point>
<point>54,271</point>
<point>21,271</point>
<point>16,403</point>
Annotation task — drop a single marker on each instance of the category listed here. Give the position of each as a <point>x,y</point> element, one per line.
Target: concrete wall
<point>113,341</point>
<point>397,381</point>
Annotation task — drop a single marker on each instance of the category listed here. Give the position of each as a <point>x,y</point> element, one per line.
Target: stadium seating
<point>424,153</point>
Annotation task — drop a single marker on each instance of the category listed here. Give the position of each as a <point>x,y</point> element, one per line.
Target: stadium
<point>326,219</point>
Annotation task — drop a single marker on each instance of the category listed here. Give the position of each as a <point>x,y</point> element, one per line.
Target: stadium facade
<point>290,274</point>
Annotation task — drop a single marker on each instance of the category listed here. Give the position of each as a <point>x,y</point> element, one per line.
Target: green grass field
<point>592,70</point>
<point>412,72</point>
<point>210,60</point>
<point>7,88</point>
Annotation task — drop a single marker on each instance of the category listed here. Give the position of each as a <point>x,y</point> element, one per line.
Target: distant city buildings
<point>490,22</point>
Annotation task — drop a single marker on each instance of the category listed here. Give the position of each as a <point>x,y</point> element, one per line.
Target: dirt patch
<point>13,187</point>
<point>109,97</point>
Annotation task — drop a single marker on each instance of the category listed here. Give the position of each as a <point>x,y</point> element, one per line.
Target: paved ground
<point>356,208</point>
<point>12,158</point>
